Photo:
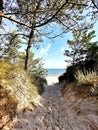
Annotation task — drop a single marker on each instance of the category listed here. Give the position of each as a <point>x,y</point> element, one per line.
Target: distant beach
<point>53,75</point>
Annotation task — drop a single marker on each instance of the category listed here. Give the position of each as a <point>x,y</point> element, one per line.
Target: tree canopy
<point>32,17</point>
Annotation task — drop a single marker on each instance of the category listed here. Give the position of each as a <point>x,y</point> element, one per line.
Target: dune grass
<point>87,78</point>
<point>16,90</point>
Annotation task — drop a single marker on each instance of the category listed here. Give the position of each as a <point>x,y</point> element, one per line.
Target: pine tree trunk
<point>30,42</point>
<point>27,59</point>
<point>1,10</point>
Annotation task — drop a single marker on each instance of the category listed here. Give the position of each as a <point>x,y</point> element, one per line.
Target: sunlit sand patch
<point>52,80</point>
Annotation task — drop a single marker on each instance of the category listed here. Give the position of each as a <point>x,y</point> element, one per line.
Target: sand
<point>52,80</point>
<point>58,113</point>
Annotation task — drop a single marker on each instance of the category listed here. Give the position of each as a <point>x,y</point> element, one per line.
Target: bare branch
<point>53,15</point>
<point>93,1</point>
<point>62,23</point>
<point>78,4</point>
<point>39,25</point>
<point>14,20</point>
<point>55,36</point>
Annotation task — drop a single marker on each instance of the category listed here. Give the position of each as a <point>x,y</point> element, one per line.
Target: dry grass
<point>87,83</point>
<point>16,90</point>
<point>88,78</point>
<point>5,67</point>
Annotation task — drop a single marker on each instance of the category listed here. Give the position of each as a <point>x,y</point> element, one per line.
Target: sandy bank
<point>52,79</point>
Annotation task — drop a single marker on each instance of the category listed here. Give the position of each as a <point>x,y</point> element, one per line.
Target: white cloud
<point>44,51</point>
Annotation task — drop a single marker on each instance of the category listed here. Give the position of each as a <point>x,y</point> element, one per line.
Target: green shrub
<point>40,82</point>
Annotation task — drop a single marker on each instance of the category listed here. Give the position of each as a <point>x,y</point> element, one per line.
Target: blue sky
<point>53,52</point>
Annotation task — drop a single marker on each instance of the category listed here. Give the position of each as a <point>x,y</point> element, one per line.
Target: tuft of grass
<point>87,78</point>
<point>87,83</point>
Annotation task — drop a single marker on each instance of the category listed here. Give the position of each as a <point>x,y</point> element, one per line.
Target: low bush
<point>39,82</point>
<point>68,76</point>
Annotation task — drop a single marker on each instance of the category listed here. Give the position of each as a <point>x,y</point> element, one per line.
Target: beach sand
<point>52,80</point>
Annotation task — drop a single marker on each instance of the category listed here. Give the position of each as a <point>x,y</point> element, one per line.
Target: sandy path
<point>58,113</point>
<point>51,115</point>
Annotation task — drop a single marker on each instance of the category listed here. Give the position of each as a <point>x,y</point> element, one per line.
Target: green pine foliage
<point>83,71</point>
<point>11,44</point>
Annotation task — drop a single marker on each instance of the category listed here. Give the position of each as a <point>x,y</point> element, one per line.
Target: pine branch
<point>53,15</point>
<point>94,4</point>
<point>14,20</point>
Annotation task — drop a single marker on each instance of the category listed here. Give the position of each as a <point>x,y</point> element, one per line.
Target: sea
<point>55,72</point>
